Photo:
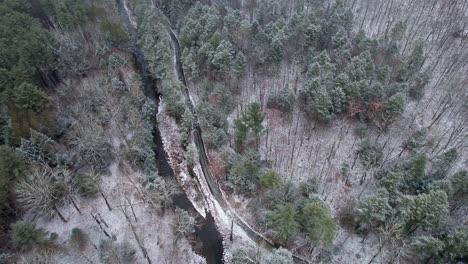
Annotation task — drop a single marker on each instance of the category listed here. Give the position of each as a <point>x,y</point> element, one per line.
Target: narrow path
<point>204,161</point>
<point>206,233</point>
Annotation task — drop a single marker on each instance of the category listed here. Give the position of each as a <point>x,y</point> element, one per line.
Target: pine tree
<point>239,62</point>
<point>322,106</point>
<point>415,174</point>
<point>28,96</point>
<point>284,222</point>
<point>375,210</point>
<point>223,56</point>
<point>319,223</point>
<point>460,189</point>
<point>254,118</point>
<point>26,236</point>
<point>392,181</point>
<point>270,179</point>
<point>10,170</point>
<point>425,210</point>
<point>447,248</point>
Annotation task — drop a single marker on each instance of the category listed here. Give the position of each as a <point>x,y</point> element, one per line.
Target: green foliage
<point>162,191</point>
<point>375,210</point>
<point>270,179</point>
<point>254,118</point>
<point>214,125</point>
<point>460,183</point>
<point>28,96</point>
<point>371,155</point>
<point>414,178</point>
<point>24,47</point>
<point>244,172</point>
<point>10,169</point>
<point>319,223</point>
<point>311,185</point>
<point>114,32</point>
<point>392,181</point>
<point>250,121</point>
<point>186,127</point>
<point>425,210</point>
<point>78,238</point>
<point>417,140</point>
<point>108,252</point>
<point>242,131</point>
<point>70,14</point>
<point>87,184</point>
<point>38,148</point>
<point>444,162</point>
<point>417,83</point>
<point>239,63</point>
<point>414,62</point>
<point>447,248</point>
<point>25,236</point>
<point>223,56</point>
<point>284,222</point>
<point>284,100</point>
<point>72,57</point>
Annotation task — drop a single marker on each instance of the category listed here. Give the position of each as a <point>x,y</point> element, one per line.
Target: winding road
<point>239,224</point>
<point>204,161</point>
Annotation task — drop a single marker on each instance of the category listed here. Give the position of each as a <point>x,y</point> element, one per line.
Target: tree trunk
<point>105,199</point>
<point>75,205</point>
<point>59,214</point>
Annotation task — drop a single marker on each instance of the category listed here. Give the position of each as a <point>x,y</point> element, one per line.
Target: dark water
<point>206,232</point>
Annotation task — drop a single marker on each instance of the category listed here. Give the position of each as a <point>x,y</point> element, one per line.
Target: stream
<point>205,232</point>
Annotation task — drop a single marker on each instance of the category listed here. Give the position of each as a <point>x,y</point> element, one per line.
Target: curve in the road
<point>214,188</point>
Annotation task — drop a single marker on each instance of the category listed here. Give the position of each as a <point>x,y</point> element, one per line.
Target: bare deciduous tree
<point>41,191</point>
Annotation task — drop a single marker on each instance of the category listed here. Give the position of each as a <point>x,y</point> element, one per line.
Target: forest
<point>244,131</point>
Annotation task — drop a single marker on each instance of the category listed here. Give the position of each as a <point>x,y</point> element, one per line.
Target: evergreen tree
<point>254,118</point>
<point>448,248</point>
<point>460,188</point>
<point>414,62</point>
<point>392,181</point>
<point>322,106</point>
<point>242,131</point>
<point>415,174</point>
<point>24,46</point>
<point>223,56</point>
<point>425,210</point>
<point>270,179</point>
<point>443,163</point>
<point>375,210</point>
<point>10,170</point>
<point>319,223</point>
<point>28,96</point>
<point>284,222</point>
<point>244,171</point>
<point>239,62</point>
<point>26,236</point>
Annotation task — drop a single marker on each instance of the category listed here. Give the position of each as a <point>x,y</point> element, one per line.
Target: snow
<point>121,185</point>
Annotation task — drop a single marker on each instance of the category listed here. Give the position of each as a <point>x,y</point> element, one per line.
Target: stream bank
<point>205,232</point>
